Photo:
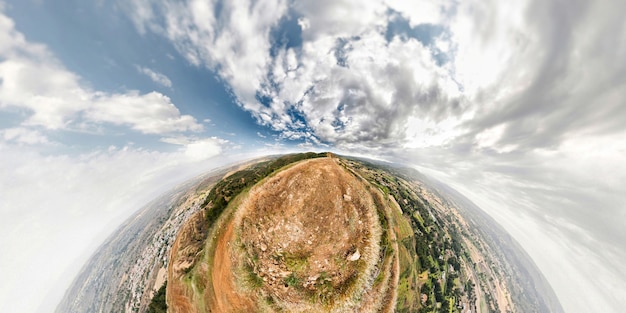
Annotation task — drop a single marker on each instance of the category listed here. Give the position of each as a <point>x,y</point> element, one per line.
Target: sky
<point>519,105</point>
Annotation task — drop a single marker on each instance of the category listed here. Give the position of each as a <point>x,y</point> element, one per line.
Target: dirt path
<point>310,232</point>
<point>225,297</point>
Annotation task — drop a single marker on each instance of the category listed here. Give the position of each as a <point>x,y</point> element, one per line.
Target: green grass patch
<point>451,303</point>
<point>296,262</point>
<point>253,280</point>
<point>324,290</point>
<point>408,295</point>
<point>404,225</point>
<point>292,280</point>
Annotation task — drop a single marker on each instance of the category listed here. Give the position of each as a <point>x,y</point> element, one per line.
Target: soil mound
<point>307,239</point>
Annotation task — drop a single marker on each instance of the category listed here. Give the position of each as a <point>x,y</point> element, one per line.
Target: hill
<point>310,233</point>
<point>333,234</point>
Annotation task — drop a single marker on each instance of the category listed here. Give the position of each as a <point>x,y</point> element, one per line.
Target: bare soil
<point>309,234</point>
<point>185,252</point>
<point>223,296</point>
<point>307,239</point>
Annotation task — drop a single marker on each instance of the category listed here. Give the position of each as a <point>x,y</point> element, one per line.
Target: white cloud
<point>198,148</point>
<point>203,149</point>
<point>366,99</point>
<point>23,135</point>
<point>489,40</point>
<point>339,18</point>
<point>55,98</point>
<point>237,43</point>
<point>528,89</point>
<point>151,113</point>
<point>423,11</point>
<point>56,209</point>
<point>156,77</point>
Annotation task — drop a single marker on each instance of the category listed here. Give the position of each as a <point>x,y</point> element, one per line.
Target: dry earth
<point>306,239</point>
<point>310,234</point>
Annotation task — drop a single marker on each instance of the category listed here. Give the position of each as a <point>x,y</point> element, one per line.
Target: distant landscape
<point>310,233</point>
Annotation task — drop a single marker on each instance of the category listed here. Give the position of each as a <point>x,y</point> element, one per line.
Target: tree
<point>158,305</point>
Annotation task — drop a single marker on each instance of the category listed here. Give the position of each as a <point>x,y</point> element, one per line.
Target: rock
<point>355,256</point>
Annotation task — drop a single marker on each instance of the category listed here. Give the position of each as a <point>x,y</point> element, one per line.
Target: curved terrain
<point>311,233</point>
<point>309,238</point>
<point>320,233</point>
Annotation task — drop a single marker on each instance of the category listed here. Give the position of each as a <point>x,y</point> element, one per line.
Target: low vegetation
<point>232,185</point>
<point>158,305</point>
<point>373,240</point>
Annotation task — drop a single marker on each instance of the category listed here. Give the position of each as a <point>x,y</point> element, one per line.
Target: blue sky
<point>520,106</point>
<point>102,47</point>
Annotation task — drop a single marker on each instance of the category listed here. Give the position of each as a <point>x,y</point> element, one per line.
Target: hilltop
<point>322,233</point>
<point>310,233</point>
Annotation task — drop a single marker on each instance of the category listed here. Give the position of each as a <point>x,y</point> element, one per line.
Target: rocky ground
<point>328,234</point>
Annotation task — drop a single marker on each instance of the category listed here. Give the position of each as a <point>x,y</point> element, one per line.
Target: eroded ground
<point>333,235</point>
<point>305,239</point>
<point>309,237</point>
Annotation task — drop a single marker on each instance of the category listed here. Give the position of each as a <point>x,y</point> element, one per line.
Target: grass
<point>252,279</point>
<point>324,290</point>
<point>408,284</point>
<point>292,280</point>
<point>451,304</point>
<point>196,281</point>
<point>191,280</point>
<point>296,262</point>
<point>403,225</point>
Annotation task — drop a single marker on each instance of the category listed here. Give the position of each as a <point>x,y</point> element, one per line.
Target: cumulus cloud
<point>422,12</point>
<point>34,81</point>
<point>156,77</point>
<point>346,83</point>
<point>202,149</point>
<point>506,98</point>
<point>57,208</point>
<point>198,148</point>
<point>233,42</point>
<point>151,113</point>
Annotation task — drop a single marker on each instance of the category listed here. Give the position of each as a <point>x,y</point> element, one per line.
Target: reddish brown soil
<point>310,235</point>
<point>314,223</point>
<point>224,297</point>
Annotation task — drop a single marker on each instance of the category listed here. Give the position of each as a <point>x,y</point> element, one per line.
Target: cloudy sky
<point>520,105</point>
